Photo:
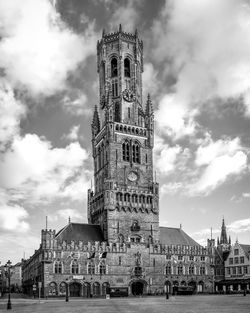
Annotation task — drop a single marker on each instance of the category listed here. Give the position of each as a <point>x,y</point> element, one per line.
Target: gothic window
<point>114,70</point>
<point>180,270</point>
<point>102,268</point>
<point>191,270</point>
<point>91,268</point>
<point>136,153</point>
<point>202,270</point>
<point>75,267</point>
<point>126,67</point>
<point>125,151</point>
<point>168,269</point>
<point>58,268</point>
<point>114,88</point>
<point>117,112</point>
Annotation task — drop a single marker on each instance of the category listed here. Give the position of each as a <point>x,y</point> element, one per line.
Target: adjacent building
<point>122,249</point>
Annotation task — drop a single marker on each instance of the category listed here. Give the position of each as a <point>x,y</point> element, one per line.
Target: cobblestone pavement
<point>178,304</point>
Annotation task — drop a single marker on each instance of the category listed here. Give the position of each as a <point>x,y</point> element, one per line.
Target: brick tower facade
<point>125,197</point>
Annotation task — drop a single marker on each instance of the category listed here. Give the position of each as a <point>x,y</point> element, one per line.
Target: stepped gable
<point>246,249</point>
<point>80,232</point>
<point>175,236</point>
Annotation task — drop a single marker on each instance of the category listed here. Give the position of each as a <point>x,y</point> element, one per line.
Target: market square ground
<point>178,304</point>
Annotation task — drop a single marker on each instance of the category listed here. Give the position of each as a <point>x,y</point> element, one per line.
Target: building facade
<point>122,248</point>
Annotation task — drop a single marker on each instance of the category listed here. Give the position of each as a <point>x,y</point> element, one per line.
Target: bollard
<point>167,296</point>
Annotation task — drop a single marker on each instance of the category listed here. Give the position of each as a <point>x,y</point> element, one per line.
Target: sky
<point>197,70</point>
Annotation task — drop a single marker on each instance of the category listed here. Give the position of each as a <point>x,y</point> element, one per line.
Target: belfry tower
<point>125,197</point>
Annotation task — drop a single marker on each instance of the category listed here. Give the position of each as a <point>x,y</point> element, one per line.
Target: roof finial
<point>180,226</point>
<point>136,32</point>
<point>46,223</point>
<point>120,28</point>
<point>69,220</point>
<point>103,32</point>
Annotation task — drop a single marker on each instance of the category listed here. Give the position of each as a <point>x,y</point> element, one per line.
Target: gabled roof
<point>246,249</point>
<point>80,232</point>
<point>175,236</point>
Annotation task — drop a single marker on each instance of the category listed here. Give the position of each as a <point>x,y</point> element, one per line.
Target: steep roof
<point>246,249</point>
<point>175,236</point>
<point>80,232</point>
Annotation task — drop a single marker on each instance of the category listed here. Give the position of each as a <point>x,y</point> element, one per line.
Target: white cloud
<point>246,195</point>
<point>73,134</point>
<point>149,79</point>
<point>219,170</point>
<point>203,45</point>
<point>171,188</point>
<point>209,150</point>
<point>174,118</point>
<point>69,213</point>
<point>239,226</point>
<point>11,111</point>
<point>165,156</point>
<point>127,15</point>
<point>76,105</point>
<point>37,50</point>
<point>33,170</point>
<point>219,161</point>
<point>13,218</point>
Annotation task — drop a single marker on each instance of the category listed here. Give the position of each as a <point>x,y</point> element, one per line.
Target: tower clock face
<point>132,176</point>
<point>128,95</point>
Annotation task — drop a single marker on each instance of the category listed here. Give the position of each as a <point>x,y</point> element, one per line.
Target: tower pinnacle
<point>223,235</point>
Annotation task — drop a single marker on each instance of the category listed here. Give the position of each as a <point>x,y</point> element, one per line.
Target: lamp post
<point>8,274</point>
<point>67,291</point>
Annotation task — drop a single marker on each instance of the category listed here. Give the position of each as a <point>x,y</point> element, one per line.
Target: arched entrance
<point>86,290</point>
<point>74,289</point>
<point>137,288</point>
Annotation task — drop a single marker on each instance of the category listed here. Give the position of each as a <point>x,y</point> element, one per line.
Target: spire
<point>218,241</point>
<point>103,32</point>
<point>229,240</point>
<point>120,28</point>
<point>95,122</point>
<point>149,106</point>
<point>223,235</point>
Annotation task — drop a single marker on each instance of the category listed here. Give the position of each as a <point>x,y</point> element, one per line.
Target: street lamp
<point>67,291</point>
<point>8,275</point>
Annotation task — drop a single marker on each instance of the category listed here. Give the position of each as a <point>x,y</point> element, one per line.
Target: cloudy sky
<point>197,69</point>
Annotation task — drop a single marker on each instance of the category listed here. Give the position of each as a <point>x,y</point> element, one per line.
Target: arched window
<point>52,289</point>
<point>102,268</point>
<point>91,268</point>
<point>114,88</point>
<point>62,288</point>
<point>75,267</point>
<point>117,112</point>
<point>126,67</point>
<point>191,270</point>
<point>114,70</point>
<point>58,268</point>
<point>168,269</point>
<point>105,288</point>
<point>136,153</point>
<point>125,151</point>
<point>180,270</point>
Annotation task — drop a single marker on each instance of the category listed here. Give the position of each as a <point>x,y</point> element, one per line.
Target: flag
<point>103,255</point>
<point>91,256</point>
